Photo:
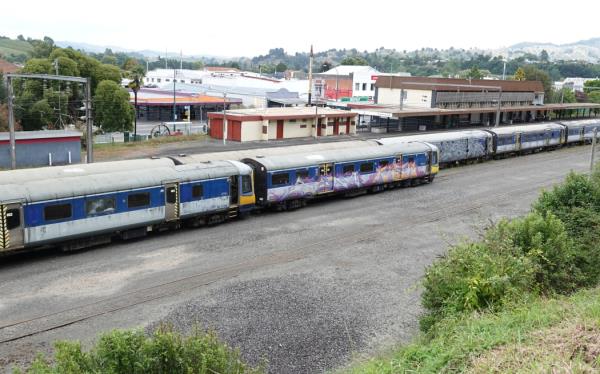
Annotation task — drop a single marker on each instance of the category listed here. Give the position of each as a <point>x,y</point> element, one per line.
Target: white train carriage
<point>581,130</point>
<point>511,139</point>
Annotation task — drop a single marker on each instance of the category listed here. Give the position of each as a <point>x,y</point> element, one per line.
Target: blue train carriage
<point>581,131</point>
<point>82,211</point>
<point>527,138</point>
<point>212,191</point>
<point>288,181</point>
<point>454,146</point>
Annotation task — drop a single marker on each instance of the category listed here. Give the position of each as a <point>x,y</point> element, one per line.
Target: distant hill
<point>583,50</point>
<point>145,53</point>
<point>14,50</point>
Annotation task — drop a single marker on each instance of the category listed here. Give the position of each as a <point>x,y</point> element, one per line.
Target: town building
<point>41,148</point>
<point>424,103</point>
<point>156,105</point>
<point>281,123</point>
<point>574,84</point>
<point>344,82</point>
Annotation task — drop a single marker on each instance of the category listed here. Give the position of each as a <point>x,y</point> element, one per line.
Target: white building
<point>574,84</point>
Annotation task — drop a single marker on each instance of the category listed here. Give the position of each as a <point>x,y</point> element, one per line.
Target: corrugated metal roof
<point>47,134</point>
<point>437,84</point>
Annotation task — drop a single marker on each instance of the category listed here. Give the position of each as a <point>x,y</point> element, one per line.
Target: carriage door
<point>325,178</point>
<point>547,137</point>
<point>171,201</point>
<point>11,226</point>
<point>234,190</point>
<point>518,141</point>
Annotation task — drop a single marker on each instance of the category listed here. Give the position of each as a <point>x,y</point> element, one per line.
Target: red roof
<point>8,67</point>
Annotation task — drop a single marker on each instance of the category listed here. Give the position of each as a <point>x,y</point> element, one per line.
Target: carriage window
<point>366,167</point>
<point>434,157</point>
<point>348,169</point>
<point>137,200</point>
<point>280,179</point>
<point>171,195</point>
<point>102,205</point>
<point>246,184</point>
<point>197,191</point>
<point>56,212</point>
<point>383,163</point>
<point>302,175</point>
<point>13,218</point>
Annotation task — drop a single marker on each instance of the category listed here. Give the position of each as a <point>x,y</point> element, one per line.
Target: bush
<point>577,204</point>
<point>133,352</point>
<point>473,277</point>
<point>544,240</point>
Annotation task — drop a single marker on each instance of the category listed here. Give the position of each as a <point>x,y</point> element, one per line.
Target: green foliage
<point>281,67</point>
<point>473,276</point>
<point>591,86</point>
<point>132,352</point>
<point>594,97</point>
<point>458,340</point>
<point>545,242</point>
<point>475,73</point>
<point>354,60</point>
<point>554,249</point>
<point>112,109</point>
<point>533,73</point>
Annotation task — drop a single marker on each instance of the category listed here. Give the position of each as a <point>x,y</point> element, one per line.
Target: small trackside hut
<point>288,181</point>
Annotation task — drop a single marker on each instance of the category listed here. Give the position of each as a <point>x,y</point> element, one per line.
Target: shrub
<point>577,203</point>
<point>131,352</point>
<point>544,240</point>
<point>472,277</point>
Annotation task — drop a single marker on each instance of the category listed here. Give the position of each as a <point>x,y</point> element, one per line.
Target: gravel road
<point>308,290</point>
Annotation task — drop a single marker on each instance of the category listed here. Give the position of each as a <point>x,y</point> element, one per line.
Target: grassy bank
<point>523,298</point>
<point>560,334</point>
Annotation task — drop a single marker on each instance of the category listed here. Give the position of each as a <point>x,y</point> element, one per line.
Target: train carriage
<point>292,179</point>
<point>582,130</point>
<point>513,139</point>
<point>454,146</point>
<point>88,210</point>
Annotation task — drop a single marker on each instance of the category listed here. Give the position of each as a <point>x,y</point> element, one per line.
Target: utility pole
<point>310,63</point>
<point>504,71</point>
<point>498,109</point>
<point>224,118</point>
<point>88,120</point>
<point>11,124</point>
<point>174,96</point>
<point>593,151</point>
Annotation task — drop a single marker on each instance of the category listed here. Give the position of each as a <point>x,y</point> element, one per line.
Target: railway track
<point>17,330</point>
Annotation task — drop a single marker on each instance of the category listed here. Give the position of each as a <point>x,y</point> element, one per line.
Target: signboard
<point>374,77</point>
<point>372,113</point>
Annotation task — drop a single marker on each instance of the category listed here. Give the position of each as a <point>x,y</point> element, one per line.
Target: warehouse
<point>281,123</point>
<point>41,148</point>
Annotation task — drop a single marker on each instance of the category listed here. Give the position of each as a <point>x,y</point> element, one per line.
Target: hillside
<point>14,50</point>
<point>583,50</point>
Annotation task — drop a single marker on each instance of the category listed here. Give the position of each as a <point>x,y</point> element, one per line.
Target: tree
<point>591,86</point>
<point>130,63</point>
<point>42,48</point>
<point>534,74</point>
<point>198,65</point>
<point>137,79</point>
<point>326,66</point>
<point>474,73</point>
<point>563,95</point>
<point>112,110</point>
<point>41,116</point>
<point>594,97</point>
<point>281,67</point>
<point>354,61</point>
<point>103,72</point>
<point>544,56</point>
<point>519,75</point>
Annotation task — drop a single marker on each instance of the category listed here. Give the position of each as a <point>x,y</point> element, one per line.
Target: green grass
<point>494,337</point>
<point>14,47</point>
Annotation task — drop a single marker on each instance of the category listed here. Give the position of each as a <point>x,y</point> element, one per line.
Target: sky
<point>251,27</point>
